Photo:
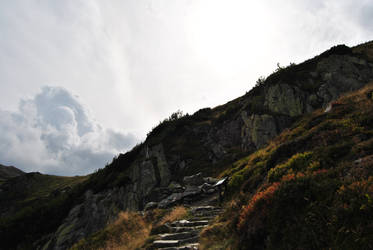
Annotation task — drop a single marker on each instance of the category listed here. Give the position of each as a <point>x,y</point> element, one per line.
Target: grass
<point>131,230</point>
<point>128,232</point>
<point>177,213</point>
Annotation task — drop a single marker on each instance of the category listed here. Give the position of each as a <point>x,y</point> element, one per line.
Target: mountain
<point>214,142</point>
<point>7,172</point>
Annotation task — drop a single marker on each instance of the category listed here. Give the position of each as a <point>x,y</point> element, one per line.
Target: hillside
<point>310,188</point>
<point>209,141</point>
<point>7,172</point>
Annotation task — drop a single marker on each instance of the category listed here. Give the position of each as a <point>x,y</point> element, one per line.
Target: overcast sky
<point>82,80</point>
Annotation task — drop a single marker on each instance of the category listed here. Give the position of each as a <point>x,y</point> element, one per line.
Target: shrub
<point>259,201</point>
<point>296,163</point>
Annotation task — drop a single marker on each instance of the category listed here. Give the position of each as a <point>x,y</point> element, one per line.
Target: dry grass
<point>177,213</point>
<point>132,230</point>
<point>128,232</point>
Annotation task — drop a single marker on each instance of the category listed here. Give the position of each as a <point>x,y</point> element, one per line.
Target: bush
<point>296,163</point>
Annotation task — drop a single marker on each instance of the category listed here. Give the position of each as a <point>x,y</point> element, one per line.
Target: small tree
<point>260,81</point>
<point>176,115</point>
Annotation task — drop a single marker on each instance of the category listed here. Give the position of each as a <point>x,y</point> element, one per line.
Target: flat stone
<point>166,243</point>
<point>179,236</point>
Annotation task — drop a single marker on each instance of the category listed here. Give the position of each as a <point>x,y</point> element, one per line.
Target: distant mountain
<point>7,172</point>
<point>213,141</point>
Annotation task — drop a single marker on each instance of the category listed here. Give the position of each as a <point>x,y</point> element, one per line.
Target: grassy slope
<point>34,187</point>
<point>31,198</point>
<point>7,172</point>
<point>311,188</point>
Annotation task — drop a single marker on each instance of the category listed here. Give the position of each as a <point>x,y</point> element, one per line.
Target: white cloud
<point>54,133</point>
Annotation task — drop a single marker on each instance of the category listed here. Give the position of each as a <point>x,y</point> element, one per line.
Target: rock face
<point>149,171</point>
<point>213,136</point>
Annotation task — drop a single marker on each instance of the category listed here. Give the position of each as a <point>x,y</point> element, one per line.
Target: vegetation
<point>131,230</point>
<point>35,204</point>
<point>316,189</point>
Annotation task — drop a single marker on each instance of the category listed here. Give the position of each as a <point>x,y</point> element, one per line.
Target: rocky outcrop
<point>149,171</point>
<point>285,99</point>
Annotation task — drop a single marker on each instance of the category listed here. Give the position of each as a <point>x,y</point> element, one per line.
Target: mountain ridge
<point>7,172</point>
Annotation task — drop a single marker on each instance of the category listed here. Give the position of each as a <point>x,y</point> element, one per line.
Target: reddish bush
<point>258,201</point>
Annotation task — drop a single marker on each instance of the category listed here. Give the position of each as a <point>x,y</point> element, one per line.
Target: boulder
<point>175,187</point>
<point>194,180</point>
<point>210,180</point>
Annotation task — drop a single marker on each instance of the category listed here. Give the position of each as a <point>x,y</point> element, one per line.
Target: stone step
<point>186,223</point>
<point>214,211</point>
<point>204,208</point>
<point>179,236</point>
<point>202,218</point>
<point>203,214</point>
<point>206,215</point>
<point>186,229</point>
<point>192,246</point>
<point>191,240</point>
<point>165,243</point>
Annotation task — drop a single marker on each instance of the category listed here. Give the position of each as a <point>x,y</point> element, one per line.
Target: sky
<point>83,80</point>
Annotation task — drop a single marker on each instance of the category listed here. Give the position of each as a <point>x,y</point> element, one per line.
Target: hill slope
<point>311,188</point>
<point>208,141</point>
<point>7,172</point>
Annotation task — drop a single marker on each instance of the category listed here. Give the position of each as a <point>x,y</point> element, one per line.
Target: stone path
<point>184,234</point>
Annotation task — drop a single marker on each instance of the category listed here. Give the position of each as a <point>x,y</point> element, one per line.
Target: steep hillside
<point>310,188</point>
<point>31,204</point>
<point>7,172</point>
<point>208,141</point>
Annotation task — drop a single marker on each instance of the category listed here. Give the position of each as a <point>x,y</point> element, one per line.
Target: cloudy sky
<point>82,80</point>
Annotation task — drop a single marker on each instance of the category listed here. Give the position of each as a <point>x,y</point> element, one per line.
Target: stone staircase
<point>184,234</point>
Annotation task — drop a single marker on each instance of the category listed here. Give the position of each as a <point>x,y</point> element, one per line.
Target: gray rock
<point>210,180</point>
<point>150,205</point>
<point>258,129</point>
<point>284,99</point>
<point>175,187</point>
<point>194,180</point>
